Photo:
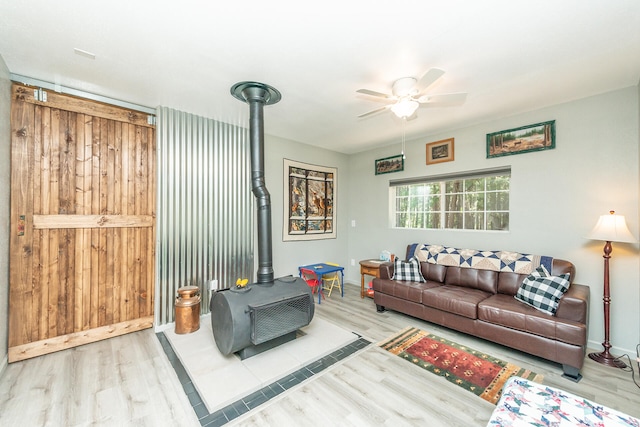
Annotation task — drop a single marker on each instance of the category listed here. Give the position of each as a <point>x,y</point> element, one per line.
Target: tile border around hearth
<point>257,398</point>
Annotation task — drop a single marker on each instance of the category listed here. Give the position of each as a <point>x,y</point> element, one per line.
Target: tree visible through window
<point>463,203</point>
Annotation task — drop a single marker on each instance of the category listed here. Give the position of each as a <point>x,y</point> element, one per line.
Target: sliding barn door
<point>82,222</point>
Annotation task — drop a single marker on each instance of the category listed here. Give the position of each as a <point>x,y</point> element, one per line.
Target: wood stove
<point>251,319</point>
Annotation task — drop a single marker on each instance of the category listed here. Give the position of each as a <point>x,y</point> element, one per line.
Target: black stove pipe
<point>257,317</point>
<point>257,95</point>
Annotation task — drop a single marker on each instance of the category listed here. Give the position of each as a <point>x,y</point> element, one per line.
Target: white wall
<point>287,256</point>
<point>5,174</point>
<point>556,198</point>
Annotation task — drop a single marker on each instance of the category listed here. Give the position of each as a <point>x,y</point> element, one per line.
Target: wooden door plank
<point>52,263</point>
<point>92,221</point>
<point>79,282</point>
<point>54,165</point>
<point>102,178</point>
<point>131,297</point>
<point>20,274</point>
<point>67,177</point>
<point>124,206</point>
<point>142,207</point>
<point>66,252</point>
<point>50,345</point>
<point>81,105</point>
<point>117,210</point>
<point>39,296</point>
<point>87,254</point>
<point>151,210</point>
<point>66,181</point>
<point>45,200</point>
<point>109,177</point>
<point>95,235</point>
<point>70,186</point>
<point>102,276</point>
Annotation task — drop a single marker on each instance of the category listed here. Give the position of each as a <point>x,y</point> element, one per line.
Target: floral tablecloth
<point>526,403</point>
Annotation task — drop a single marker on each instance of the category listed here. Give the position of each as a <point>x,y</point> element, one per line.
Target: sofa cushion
<point>509,283</point>
<point>455,300</point>
<point>410,291</point>
<point>409,271</point>
<point>433,272</point>
<point>504,310</point>
<point>543,291</point>
<point>483,280</point>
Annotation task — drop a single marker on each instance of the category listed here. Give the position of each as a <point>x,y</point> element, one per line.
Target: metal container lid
<point>188,291</point>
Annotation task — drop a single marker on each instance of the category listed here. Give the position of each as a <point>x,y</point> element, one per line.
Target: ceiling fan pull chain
<point>404,121</point>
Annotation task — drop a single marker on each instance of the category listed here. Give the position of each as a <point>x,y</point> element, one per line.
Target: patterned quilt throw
<point>501,261</point>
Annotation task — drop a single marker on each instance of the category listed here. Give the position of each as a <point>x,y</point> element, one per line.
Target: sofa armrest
<point>574,304</point>
<point>386,270</point>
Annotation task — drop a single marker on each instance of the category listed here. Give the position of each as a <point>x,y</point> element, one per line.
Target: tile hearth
<point>202,370</point>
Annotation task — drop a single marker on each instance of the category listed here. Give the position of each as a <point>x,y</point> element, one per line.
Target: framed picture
<point>540,136</point>
<point>390,164</point>
<point>310,196</point>
<point>440,151</point>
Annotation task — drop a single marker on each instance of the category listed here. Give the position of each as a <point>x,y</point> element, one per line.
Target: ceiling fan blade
<point>429,78</point>
<point>443,99</point>
<point>374,93</point>
<point>377,110</point>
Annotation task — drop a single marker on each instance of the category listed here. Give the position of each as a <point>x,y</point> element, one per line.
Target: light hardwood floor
<point>122,381</point>
<point>128,381</point>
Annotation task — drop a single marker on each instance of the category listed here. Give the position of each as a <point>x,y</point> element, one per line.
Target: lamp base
<point>607,359</point>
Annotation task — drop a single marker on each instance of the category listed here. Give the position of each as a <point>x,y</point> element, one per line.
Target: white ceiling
<point>509,56</point>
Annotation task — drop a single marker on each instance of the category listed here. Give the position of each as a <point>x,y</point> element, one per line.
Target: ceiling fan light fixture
<point>405,108</point>
<point>408,94</point>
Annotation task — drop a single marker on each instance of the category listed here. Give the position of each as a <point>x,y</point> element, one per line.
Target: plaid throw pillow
<point>409,271</point>
<point>543,291</point>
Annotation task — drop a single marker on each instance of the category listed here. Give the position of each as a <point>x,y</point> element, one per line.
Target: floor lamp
<point>610,228</point>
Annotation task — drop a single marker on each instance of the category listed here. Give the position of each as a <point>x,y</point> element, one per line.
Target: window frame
<point>443,212</point>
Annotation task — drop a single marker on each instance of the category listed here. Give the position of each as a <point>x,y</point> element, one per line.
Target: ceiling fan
<point>408,93</point>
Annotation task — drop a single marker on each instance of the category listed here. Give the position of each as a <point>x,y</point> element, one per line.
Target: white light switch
<point>353,222</point>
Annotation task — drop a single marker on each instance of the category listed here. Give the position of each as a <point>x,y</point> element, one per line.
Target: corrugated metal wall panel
<point>205,207</point>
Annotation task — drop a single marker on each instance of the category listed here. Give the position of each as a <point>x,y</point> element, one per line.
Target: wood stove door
<point>82,222</point>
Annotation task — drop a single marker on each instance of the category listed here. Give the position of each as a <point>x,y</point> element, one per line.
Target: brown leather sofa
<point>482,303</point>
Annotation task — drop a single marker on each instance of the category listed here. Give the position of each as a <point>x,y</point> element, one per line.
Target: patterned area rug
<point>477,372</point>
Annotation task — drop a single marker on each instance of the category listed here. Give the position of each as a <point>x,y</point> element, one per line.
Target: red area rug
<point>477,372</point>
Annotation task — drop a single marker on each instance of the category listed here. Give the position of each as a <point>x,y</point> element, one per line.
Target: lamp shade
<point>405,108</point>
<point>612,228</point>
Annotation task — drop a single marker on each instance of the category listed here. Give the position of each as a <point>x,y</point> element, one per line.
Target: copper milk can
<point>188,310</point>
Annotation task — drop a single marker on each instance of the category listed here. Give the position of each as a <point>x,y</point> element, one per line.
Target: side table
<point>369,267</point>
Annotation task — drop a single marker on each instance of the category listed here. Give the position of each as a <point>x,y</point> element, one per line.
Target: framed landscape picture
<point>390,164</point>
<point>440,151</point>
<point>540,136</point>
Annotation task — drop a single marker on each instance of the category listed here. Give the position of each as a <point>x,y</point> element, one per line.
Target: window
<point>476,200</point>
